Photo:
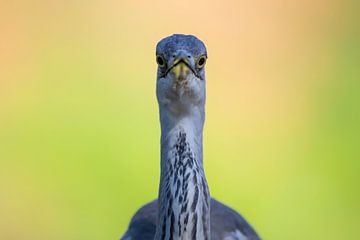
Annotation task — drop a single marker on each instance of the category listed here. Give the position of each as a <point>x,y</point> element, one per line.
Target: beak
<point>180,70</point>
<point>181,67</point>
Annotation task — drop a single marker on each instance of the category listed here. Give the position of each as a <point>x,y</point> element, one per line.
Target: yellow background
<point>79,128</point>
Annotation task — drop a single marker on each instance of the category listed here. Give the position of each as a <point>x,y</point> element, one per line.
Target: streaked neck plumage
<point>184,199</point>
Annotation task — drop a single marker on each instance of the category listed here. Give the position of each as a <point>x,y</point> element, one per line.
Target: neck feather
<point>184,199</point>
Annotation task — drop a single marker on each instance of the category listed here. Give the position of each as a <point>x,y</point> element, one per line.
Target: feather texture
<point>225,223</point>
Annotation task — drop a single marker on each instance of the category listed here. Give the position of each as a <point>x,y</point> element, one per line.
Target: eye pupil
<point>201,62</point>
<point>160,61</point>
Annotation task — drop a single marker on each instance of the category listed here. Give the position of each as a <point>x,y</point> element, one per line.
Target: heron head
<point>181,72</point>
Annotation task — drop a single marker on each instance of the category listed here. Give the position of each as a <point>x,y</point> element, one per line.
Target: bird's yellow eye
<point>201,62</point>
<point>160,61</point>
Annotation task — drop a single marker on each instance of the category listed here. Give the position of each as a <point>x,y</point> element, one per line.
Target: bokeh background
<point>79,128</point>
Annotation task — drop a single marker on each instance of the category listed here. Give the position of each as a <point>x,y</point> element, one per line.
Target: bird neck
<point>184,199</point>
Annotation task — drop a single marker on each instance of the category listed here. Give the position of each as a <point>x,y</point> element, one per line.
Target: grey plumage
<point>184,209</point>
<point>223,221</point>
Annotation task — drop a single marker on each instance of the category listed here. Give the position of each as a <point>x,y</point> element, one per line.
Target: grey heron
<point>184,209</point>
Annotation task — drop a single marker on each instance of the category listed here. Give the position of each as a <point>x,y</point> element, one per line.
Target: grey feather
<point>223,220</point>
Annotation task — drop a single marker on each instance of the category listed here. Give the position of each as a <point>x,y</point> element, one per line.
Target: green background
<point>79,127</point>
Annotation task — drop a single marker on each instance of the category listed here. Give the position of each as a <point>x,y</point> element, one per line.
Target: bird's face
<point>181,73</point>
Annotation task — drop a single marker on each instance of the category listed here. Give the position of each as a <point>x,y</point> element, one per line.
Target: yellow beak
<point>181,71</point>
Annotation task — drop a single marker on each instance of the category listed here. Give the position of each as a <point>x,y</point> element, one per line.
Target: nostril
<point>189,56</point>
<point>173,56</point>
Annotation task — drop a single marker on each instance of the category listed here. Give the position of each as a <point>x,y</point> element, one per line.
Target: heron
<point>184,209</point>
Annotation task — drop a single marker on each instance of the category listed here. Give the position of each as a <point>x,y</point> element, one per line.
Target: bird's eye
<point>201,62</point>
<point>160,61</point>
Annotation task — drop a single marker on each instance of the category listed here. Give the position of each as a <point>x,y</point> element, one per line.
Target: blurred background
<point>79,127</point>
